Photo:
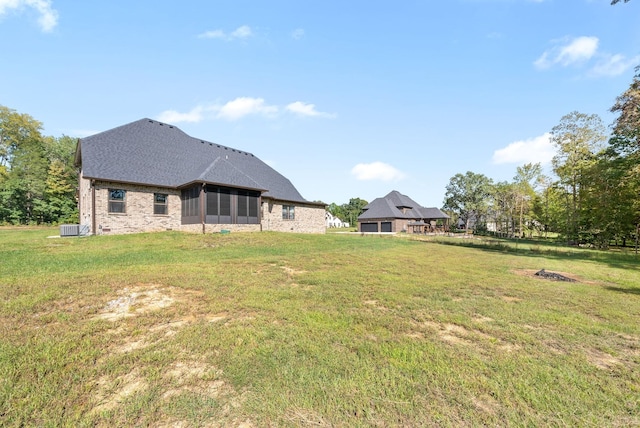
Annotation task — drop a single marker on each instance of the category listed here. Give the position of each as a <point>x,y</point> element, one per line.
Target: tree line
<point>592,198</point>
<point>38,180</point>
<point>348,212</point>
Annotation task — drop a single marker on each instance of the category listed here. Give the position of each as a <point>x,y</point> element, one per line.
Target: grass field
<point>266,329</point>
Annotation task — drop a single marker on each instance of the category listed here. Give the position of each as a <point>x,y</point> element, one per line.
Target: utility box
<point>69,229</point>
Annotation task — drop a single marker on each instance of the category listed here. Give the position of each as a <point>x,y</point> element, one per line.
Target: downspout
<point>93,206</point>
<point>202,201</point>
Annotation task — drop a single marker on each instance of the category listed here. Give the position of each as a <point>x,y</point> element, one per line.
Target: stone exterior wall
<point>84,203</point>
<point>139,215</point>
<point>307,219</point>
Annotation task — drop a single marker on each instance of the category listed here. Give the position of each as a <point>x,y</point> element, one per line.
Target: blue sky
<point>345,98</point>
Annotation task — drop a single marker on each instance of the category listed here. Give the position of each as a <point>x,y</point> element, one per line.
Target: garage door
<point>368,227</point>
<point>385,226</point>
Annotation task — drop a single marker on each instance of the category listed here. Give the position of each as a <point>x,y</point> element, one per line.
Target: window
<point>247,212</point>
<point>288,212</point>
<point>160,203</point>
<point>191,205</point>
<point>231,206</point>
<point>117,200</point>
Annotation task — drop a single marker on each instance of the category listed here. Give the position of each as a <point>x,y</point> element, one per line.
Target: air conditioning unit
<point>69,229</point>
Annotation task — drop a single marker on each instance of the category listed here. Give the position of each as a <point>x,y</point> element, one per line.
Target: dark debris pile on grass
<point>553,276</point>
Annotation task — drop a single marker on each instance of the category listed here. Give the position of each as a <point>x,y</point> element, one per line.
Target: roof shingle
<point>392,205</point>
<point>149,152</point>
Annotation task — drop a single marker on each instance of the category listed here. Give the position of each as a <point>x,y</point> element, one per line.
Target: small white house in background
<point>333,221</point>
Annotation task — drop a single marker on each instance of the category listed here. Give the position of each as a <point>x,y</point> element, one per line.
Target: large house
<point>396,212</point>
<point>151,176</point>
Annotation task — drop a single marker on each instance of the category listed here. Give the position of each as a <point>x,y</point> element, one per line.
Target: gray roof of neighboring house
<point>390,207</point>
<point>152,153</point>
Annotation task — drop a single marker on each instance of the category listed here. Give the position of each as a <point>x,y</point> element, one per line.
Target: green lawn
<point>267,329</point>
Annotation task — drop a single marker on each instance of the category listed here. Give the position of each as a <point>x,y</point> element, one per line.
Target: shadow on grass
<point>546,250</point>
<point>634,290</point>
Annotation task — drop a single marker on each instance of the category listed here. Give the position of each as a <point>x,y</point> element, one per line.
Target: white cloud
<point>237,109</point>
<point>297,34</point>
<point>242,32</point>
<point>172,116</point>
<point>48,18</point>
<point>568,52</point>
<point>304,109</point>
<point>534,150</point>
<point>614,65</point>
<point>244,106</point>
<point>377,171</point>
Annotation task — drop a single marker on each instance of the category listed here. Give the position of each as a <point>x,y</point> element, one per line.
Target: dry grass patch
<point>601,359</point>
<point>458,335</point>
<point>140,299</point>
<point>182,379</point>
<point>113,392</point>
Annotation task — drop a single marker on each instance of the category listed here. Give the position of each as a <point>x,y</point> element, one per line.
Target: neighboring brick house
<point>151,176</point>
<point>399,213</point>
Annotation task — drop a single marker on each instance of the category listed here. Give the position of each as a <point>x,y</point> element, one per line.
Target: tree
<point>577,138</point>
<point>625,143</point>
<point>353,209</point>
<point>526,179</point>
<point>626,127</point>
<point>37,177</point>
<point>548,206</point>
<point>15,129</point>
<point>503,207</point>
<point>337,210</point>
<point>23,156</point>
<point>26,181</point>
<point>618,1</point>
<point>468,196</point>
<point>612,201</point>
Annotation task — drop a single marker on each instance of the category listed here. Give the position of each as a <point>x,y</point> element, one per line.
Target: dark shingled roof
<point>152,153</point>
<point>391,206</point>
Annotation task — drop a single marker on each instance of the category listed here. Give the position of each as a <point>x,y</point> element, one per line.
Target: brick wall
<point>307,219</point>
<point>84,202</point>
<point>139,215</point>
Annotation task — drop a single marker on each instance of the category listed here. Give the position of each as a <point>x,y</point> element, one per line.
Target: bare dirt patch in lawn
<point>140,299</point>
<point>292,272</point>
<point>112,392</point>
<point>195,377</point>
<point>601,359</point>
<point>376,305</point>
<point>143,315</point>
<point>486,404</point>
<point>459,335</point>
